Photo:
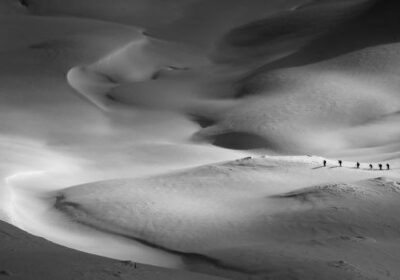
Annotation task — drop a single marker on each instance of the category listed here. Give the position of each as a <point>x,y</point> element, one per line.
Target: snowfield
<point>263,216</point>
<point>191,135</point>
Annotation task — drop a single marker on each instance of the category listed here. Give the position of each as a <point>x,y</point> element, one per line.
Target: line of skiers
<point>358,165</point>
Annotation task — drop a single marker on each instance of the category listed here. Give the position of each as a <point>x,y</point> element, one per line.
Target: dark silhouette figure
<point>324,162</point>
<point>387,166</point>
<point>380,166</point>
<point>358,165</point>
<point>340,163</point>
<point>370,166</point>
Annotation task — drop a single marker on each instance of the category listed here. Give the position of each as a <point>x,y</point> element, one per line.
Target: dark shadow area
<point>160,73</point>
<point>24,3</point>
<point>44,45</point>
<point>239,141</point>
<point>318,167</point>
<point>285,31</point>
<point>376,26</point>
<point>202,121</point>
<point>111,97</point>
<point>156,75</point>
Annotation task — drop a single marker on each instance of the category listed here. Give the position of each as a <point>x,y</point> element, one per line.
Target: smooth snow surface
<point>180,133</point>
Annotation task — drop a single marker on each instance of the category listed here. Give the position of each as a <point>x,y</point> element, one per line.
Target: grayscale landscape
<point>200,139</point>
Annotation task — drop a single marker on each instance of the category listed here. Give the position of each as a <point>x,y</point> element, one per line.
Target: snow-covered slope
<point>268,217</point>
<point>133,104</point>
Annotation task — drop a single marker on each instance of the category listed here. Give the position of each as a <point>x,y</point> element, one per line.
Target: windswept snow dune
<point>198,22</point>
<point>326,97</point>
<point>286,32</point>
<point>267,217</point>
<point>137,130</point>
<point>24,256</point>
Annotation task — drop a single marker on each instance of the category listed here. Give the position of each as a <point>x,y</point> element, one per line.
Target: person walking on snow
<point>324,162</point>
<point>370,166</point>
<point>340,163</point>
<point>387,166</point>
<point>380,166</point>
<point>358,165</point>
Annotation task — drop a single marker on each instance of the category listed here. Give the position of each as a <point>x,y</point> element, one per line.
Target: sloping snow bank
<point>218,217</point>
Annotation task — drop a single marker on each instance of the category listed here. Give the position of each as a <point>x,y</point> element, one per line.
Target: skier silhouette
<point>387,166</point>
<point>380,166</point>
<point>358,165</point>
<point>340,163</point>
<point>324,162</point>
<point>370,166</point>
